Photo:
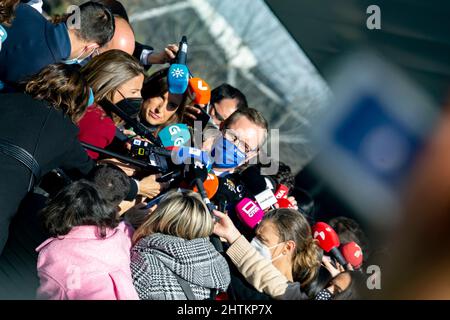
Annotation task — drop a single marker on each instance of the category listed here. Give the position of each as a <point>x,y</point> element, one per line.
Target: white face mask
<point>265,250</point>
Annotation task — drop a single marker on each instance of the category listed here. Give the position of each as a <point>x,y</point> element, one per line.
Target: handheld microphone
<point>178,74</point>
<point>211,185</point>
<point>282,192</point>
<point>186,155</point>
<point>182,52</point>
<point>249,213</point>
<point>138,127</point>
<point>200,174</point>
<point>257,185</point>
<point>285,203</point>
<point>175,135</point>
<point>143,149</point>
<point>352,252</point>
<point>199,90</point>
<point>328,240</point>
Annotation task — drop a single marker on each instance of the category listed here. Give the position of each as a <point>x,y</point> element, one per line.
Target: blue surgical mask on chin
<point>226,155</point>
<point>82,62</point>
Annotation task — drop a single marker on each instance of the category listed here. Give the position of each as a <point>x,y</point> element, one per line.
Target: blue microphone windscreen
<point>178,78</point>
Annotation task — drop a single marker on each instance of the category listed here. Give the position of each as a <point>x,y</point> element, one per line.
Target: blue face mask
<point>226,155</point>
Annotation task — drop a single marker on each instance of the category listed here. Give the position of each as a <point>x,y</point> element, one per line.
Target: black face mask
<point>131,106</point>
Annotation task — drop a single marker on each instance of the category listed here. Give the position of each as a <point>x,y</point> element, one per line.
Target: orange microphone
<point>199,90</point>
<point>211,185</point>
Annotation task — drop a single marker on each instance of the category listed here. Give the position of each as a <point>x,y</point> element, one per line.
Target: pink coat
<point>82,265</point>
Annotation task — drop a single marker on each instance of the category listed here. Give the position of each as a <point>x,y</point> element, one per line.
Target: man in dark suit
<point>33,42</point>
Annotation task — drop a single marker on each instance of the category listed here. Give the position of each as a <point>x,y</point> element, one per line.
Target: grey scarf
<point>156,258</point>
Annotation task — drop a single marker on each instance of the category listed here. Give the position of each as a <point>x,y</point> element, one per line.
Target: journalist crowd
<point>144,185</point>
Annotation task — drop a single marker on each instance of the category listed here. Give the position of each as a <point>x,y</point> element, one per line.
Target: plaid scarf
<point>156,258</point>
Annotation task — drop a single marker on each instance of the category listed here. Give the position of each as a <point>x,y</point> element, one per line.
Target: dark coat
<point>32,44</point>
<point>46,133</point>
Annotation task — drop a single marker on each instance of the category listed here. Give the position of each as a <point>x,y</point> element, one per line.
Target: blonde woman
<point>115,77</point>
<point>172,258</point>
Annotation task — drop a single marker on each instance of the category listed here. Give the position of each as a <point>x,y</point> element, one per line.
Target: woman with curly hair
<point>7,8</point>
<point>40,122</point>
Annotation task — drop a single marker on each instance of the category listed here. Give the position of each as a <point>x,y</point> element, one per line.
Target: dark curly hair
<point>7,8</point>
<point>78,204</point>
<point>112,182</point>
<point>63,87</point>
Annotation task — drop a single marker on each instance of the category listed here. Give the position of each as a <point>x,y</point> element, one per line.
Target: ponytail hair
<point>292,225</point>
<point>307,262</point>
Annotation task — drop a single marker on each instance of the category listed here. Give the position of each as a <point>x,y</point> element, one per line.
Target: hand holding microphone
<point>165,56</point>
<point>328,240</point>
<point>178,73</point>
<point>249,213</point>
<point>150,188</point>
<point>225,228</point>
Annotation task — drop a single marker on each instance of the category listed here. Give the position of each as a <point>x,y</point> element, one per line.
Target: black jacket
<point>46,133</point>
<point>32,44</point>
<point>138,48</point>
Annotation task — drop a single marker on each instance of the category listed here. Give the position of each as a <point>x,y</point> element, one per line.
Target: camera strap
<point>24,157</point>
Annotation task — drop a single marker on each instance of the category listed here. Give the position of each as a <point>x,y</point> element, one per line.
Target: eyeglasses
<point>238,142</point>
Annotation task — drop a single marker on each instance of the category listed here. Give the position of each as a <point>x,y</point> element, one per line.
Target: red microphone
<point>328,240</point>
<point>199,90</point>
<point>249,213</point>
<point>352,252</point>
<point>285,203</point>
<point>282,192</point>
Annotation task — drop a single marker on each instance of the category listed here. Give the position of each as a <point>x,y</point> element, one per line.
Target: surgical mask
<point>265,250</point>
<point>79,60</point>
<point>226,154</point>
<point>131,106</point>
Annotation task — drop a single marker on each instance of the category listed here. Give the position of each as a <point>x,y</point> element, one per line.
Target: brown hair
<point>156,86</point>
<point>106,72</point>
<point>292,225</point>
<point>63,87</point>
<point>7,8</point>
<point>180,214</point>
